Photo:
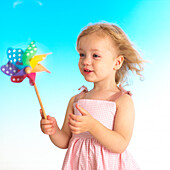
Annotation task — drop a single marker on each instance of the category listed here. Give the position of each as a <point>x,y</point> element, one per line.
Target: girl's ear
<point>118,62</point>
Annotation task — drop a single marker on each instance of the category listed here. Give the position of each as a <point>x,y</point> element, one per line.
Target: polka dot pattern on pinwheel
<point>15,55</point>
<point>29,53</point>
<point>17,79</point>
<point>31,50</point>
<point>9,69</point>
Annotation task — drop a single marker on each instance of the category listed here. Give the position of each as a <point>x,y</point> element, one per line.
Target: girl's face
<point>97,58</point>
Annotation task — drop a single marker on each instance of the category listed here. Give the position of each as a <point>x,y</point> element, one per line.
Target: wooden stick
<point>43,111</point>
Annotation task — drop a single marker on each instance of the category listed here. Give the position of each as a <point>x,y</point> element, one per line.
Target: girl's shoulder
<point>125,100</point>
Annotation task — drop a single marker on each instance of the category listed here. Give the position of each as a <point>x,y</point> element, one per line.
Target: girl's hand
<point>48,126</point>
<point>80,124</point>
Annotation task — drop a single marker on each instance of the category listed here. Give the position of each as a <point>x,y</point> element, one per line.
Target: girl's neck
<point>98,86</point>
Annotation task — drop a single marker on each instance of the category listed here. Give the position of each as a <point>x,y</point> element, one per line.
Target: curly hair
<point>132,59</point>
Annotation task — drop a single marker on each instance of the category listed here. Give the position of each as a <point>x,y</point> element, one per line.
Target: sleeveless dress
<point>84,151</point>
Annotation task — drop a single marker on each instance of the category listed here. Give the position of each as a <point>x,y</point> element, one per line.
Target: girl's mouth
<point>86,71</point>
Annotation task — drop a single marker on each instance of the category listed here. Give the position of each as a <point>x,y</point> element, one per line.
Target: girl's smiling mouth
<point>87,71</point>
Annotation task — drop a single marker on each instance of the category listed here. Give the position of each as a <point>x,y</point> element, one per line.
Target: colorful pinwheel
<point>25,64</point>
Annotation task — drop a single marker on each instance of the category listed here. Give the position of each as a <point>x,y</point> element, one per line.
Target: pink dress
<point>84,151</point>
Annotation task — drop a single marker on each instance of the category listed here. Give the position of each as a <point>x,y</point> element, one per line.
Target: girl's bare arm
<point>59,137</point>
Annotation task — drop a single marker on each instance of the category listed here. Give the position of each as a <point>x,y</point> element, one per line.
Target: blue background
<point>55,25</point>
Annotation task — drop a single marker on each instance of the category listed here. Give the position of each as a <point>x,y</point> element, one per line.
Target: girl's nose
<point>87,61</point>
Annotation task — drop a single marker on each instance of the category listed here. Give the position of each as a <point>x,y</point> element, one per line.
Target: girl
<point>99,123</point>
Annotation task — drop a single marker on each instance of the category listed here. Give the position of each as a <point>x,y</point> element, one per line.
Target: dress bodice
<point>101,110</point>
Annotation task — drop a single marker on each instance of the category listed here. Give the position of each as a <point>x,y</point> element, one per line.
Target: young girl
<point>99,123</point>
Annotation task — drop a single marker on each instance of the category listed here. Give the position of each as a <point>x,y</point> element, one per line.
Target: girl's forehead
<point>97,41</point>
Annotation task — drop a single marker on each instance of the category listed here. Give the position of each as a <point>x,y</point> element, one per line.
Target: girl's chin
<point>88,79</point>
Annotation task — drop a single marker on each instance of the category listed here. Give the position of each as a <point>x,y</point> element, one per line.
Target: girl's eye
<point>95,56</point>
<point>81,55</point>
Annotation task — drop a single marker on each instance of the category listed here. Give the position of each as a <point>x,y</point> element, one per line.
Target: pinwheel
<point>25,64</point>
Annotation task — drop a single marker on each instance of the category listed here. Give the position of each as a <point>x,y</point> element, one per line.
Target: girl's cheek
<point>79,65</point>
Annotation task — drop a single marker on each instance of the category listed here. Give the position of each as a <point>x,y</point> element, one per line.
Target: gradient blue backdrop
<point>55,25</point>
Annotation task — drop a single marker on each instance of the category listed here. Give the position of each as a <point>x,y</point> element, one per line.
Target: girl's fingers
<point>47,130</point>
<point>74,123</point>
<point>48,117</point>
<point>73,128</point>
<point>75,117</point>
<point>46,122</point>
<point>47,126</point>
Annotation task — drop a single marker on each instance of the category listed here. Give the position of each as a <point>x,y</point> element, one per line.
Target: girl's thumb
<point>49,117</point>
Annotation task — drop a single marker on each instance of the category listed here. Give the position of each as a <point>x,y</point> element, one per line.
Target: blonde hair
<point>132,59</point>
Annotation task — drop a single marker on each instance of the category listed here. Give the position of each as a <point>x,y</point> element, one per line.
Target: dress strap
<point>126,92</point>
<point>85,90</point>
<point>118,94</point>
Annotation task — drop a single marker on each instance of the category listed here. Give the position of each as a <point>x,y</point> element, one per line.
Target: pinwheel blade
<point>37,58</point>
<point>9,69</point>
<point>15,55</point>
<point>39,68</point>
<point>29,53</point>
<point>31,77</point>
<point>17,79</point>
